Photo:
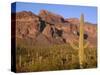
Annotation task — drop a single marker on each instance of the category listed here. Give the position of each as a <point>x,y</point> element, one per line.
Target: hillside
<point>43,42</point>
<point>54,28</point>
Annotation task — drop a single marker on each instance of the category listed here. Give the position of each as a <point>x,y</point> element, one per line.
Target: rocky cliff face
<point>52,28</point>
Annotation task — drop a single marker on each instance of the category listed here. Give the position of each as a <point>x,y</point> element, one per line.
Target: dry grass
<point>55,57</point>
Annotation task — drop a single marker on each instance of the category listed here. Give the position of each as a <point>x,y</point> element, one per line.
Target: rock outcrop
<point>50,28</point>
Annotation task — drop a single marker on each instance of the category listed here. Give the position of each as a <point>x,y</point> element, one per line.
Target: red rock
<point>52,28</point>
<point>26,25</point>
<point>50,17</point>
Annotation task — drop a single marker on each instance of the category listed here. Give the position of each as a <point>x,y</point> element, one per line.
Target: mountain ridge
<point>52,27</point>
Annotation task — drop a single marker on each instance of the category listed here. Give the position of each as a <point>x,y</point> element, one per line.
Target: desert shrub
<point>54,57</point>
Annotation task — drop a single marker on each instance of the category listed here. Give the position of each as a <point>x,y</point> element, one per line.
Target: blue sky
<point>67,11</point>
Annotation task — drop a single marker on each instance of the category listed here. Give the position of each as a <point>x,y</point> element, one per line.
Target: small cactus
<point>20,61</point>
<point>81,42</point>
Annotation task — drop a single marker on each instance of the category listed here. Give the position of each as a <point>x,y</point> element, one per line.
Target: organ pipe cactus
<point>81,42</point>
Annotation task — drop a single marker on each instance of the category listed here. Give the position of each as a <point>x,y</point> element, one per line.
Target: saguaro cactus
<point>81,42</point>
<point>20,61</point>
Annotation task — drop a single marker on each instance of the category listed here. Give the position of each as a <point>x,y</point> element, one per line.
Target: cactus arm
<point>85,46</point>
<point>73,46</point>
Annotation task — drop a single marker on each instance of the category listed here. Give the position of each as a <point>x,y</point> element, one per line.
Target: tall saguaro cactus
<point>81,42</point>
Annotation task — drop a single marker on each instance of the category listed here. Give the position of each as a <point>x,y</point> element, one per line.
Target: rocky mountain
<point>48,28</point>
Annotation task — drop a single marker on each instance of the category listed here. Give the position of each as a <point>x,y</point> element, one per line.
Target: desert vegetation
<point>44,42</point>
<point>55,57</point>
